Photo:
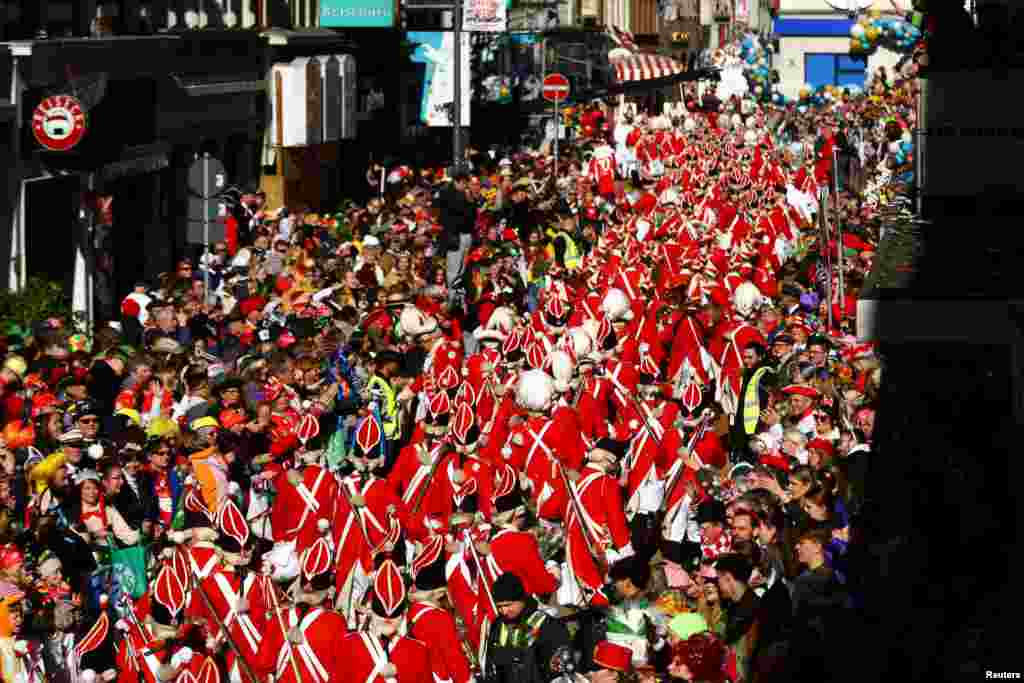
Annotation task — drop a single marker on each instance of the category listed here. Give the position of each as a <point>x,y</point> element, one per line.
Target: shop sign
<point>59,122</point>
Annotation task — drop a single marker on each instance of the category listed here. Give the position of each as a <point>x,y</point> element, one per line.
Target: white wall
<point>790,60</point>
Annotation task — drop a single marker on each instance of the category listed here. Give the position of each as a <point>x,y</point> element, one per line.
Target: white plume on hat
<point>604,152</point>
<point>689,125</point>
<point>616,305</point>
<point>750,138</point>
<point>535,390</point>
<point>563,368</point>
<point>415,323</point>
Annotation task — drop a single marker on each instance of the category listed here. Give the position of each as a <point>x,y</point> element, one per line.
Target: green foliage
<point>40,300</point>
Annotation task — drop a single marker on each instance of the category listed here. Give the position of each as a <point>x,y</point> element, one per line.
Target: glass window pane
<point>846,78</point>
<point>846,63</point>
<point>819,69</point>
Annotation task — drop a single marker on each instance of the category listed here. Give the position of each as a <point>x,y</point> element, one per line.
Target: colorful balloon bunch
<point>873,31</point>
<point>754,57</point>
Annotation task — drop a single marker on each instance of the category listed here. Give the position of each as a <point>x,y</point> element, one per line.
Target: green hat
<point>687,624</point>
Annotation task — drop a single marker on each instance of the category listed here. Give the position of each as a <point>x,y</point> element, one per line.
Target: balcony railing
<point>54,19</point>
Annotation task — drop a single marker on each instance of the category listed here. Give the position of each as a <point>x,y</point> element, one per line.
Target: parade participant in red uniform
<point>304,495</point>
<point>226,588</point>
<point>429,620</point>
<point>382,654</point>
<point>596,530</point>
<point>301,643</point>
<point>415,476</point>
<point>507,547</point>
<point>536,446</point>
<point>368,515</point>
<point>469,478</point>
<point>601,171</point>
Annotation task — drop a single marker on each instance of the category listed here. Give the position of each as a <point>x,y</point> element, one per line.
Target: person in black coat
<point>525,645</point>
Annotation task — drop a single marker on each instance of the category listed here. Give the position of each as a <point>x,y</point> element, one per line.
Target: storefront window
<point>833,69</point>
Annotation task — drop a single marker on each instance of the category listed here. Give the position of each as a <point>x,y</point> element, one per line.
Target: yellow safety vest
<point>572,253</point>
<point>752,402</point>
<point>388,408</point>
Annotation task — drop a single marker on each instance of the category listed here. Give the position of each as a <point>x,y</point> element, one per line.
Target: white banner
<point>437,51</point>
<point>485,16</point>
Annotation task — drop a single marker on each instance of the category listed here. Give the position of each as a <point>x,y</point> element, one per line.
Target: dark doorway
<point>51,227</point>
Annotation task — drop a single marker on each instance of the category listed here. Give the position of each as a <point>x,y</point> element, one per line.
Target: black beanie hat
<point>508,588</point>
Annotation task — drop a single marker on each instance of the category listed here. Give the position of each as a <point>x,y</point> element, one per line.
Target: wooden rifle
<point>422,492</point>
<point>243,664</point>
<point>695,438</point>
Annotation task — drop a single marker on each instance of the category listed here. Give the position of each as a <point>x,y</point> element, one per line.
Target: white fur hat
<point>498,326</point>
<point>689,125</point>
<point>616,305</point>
<point>747,298</point>
<point>535,390</point>
<point>582,341</point>
<point>415,323</point>
<point>563,368</point>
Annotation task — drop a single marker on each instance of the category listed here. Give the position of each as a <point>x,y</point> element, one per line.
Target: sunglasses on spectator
<point>88,420</point>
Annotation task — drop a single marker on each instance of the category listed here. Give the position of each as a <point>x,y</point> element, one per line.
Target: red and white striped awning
<point>631,64</point>
<point>644,66</point>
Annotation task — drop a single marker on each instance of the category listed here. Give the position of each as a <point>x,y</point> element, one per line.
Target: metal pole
<point>457,151</point>
<point>206,226</point>
<point>90,256</point>
<point>839,234</point>
<point>555,106</point>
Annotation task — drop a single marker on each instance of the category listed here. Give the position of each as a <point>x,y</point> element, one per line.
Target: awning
<point>631,65</point>
<point>644,66</point>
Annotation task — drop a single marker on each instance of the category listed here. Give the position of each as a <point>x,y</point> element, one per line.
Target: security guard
<point>384,368</point>
<point>562,247</point>
<point>524,645</point>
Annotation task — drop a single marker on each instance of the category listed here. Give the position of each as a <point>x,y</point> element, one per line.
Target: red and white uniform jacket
<point>429,623</point>
<point>297,509</point>
<point>602,173</point>
<point>379,521</point>
<point>320,658</point>
<point>412,480</point>
<point>364,656</point>
<point>536,446</point>
<point>603,520</point>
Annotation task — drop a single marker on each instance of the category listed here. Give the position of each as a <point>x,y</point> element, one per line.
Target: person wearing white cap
<point>368,259</point>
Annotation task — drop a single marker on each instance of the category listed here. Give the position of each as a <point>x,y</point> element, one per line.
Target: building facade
<point>814,47</point>
<point>154,86</point>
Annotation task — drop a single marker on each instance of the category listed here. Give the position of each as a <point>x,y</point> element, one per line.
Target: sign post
<point>206,178</point>
<point>556,89</point>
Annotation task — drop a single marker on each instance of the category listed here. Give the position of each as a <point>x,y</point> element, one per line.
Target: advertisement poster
<point>436,50</point>
<point>485,16</point>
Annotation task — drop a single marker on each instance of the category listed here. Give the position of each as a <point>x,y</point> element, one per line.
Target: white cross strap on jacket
<point>422,473</point>
<point>313,664</point>
<point>309,498</point>
<point>538,442</point>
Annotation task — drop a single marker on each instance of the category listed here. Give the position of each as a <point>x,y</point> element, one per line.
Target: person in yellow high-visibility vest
<point>379,389</point>
<point>561,248</point>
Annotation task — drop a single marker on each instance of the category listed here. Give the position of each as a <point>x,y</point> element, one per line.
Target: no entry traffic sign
<point>556,87</point>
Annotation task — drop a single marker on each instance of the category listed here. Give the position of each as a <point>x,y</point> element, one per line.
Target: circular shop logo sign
<point>59,122</point>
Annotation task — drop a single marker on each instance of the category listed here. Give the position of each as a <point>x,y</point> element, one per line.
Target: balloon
<point>856,30</point>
